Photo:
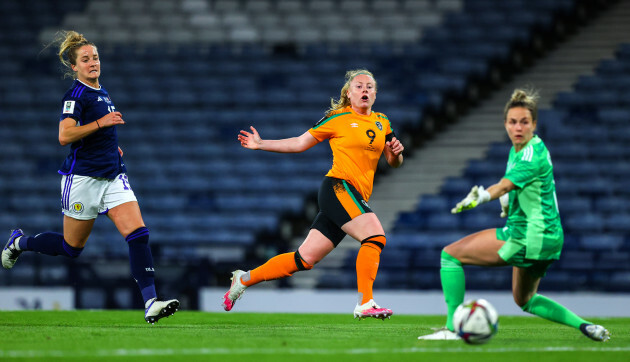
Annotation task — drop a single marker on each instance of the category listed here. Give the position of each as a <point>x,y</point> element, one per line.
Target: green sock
<point>453,285</point>
<point>546,308</point>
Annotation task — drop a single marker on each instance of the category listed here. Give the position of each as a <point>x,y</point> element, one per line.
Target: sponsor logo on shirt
<point>354,125</point>
<point>68,107</point>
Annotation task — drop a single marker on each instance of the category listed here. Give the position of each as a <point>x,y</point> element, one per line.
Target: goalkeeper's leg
<point>524,289</point>
<point>453,285</point>
<point>476,249</point>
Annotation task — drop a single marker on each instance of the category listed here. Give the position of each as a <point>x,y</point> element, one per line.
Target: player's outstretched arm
<point>478,195</point>
<point>253,141</point>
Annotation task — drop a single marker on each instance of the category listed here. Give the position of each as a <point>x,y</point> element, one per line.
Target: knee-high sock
<point>368,259</point>
<point>141,262</point>
<point>453,285</point>
<point>280,266</point>
<point>551,310</point>
<point>49,243</point>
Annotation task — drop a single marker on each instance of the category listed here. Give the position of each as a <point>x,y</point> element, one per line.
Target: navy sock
<point>141,262</point>
<point>50,244</point>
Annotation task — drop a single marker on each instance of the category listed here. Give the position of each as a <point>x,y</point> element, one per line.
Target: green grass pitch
<point>199,336</point>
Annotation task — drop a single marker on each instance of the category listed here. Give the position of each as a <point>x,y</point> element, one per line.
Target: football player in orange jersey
<point>357,136</point>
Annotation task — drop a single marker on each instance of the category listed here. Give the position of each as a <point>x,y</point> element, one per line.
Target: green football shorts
<point>513,253</point>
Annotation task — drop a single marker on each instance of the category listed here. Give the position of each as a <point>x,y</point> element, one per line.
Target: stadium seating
<point>188,75</point>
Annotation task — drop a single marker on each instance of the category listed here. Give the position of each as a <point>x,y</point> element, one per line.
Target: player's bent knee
<point>138,236</point>
<point>375,241</point>
<point>522,301</point>
<point>300,262</point>
<point>71,251</point>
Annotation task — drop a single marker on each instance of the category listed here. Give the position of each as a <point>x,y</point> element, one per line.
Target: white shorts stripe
<point>66,192</point>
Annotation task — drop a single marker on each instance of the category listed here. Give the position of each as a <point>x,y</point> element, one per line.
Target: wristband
<point>484,196</point>
<point>99,126</point>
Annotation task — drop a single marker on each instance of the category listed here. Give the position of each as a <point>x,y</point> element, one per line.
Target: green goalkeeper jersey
<point>533,218</point>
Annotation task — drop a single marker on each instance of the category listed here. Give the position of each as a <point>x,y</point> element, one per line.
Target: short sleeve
<point>523,172</point>
<point>71,108</point>
<point>323,129</point>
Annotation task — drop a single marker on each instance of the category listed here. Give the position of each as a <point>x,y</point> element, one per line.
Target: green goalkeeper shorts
<point>513,253</point>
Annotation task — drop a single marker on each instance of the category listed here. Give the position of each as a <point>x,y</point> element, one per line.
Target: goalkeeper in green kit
<point>532,237</point>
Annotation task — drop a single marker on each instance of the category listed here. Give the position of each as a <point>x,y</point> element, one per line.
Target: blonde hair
<point>343,100</point>
<point>69,42</point>
<point>526,98</point>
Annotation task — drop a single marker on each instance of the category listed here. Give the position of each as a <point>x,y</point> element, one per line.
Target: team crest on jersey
<point>77,208</point>
<point>68,107</point>
<point>379,125</point>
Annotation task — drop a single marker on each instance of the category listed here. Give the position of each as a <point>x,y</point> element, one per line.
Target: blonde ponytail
<point>69,42</point>
<point>526,98</point>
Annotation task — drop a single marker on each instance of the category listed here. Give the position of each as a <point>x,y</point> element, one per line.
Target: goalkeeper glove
<point>505,204</point>
<point>476,196</point>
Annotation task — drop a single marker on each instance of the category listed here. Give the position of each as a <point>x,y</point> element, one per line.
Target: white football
<point>476,321</point>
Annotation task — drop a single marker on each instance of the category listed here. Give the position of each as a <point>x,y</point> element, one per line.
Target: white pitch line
<point>290,351</point>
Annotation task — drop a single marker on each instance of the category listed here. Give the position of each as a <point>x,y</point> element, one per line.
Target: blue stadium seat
<point>456,187</point>
<point>426,259</point>
<point>614,261</point>
<point>618,222</point>
<point>584,223</point>
<point>431,203</point>
<point>488,278</point>
<point>619,282</point>
<point>395,259</point>
<point>337,280</point>
<point>442,221</point>
<point>563,280</point>
<point>476,221</point>
<point>424,279</point>
<point>604,242</point>
<point>577,260</point>
<point>410,221</point>
<point>611,205</point>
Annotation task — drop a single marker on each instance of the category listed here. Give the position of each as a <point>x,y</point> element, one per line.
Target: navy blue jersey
<point>97,154</point>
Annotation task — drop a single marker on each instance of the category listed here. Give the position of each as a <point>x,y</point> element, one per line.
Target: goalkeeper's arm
<point>478,195</point>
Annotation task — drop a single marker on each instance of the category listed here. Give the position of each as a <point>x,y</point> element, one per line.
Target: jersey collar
<point>89,86</point>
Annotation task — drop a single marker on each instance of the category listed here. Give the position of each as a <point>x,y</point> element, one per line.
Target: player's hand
<point>395,146</point>
<point>505,204</point>
<point>250,140</point>
<point>111,119</point>
<point>477,196</point>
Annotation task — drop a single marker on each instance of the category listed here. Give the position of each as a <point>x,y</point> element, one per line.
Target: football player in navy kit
<point>94,179</point>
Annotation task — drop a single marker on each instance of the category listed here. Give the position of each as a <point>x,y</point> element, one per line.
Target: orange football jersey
<point>357,142</point>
